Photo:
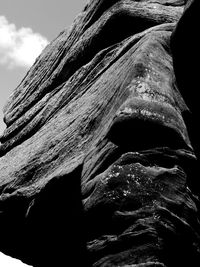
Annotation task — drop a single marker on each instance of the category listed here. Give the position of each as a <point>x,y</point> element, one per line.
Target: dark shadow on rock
<point>53,233</point>
<point>185,43</point>
<point>55,223</point>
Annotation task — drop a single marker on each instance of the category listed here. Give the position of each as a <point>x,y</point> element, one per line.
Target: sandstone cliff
<point>97,165</point>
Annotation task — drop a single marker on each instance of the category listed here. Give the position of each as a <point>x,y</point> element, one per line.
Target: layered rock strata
<point>97,165</point>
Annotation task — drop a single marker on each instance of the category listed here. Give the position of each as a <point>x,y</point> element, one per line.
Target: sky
<point>26,27</point>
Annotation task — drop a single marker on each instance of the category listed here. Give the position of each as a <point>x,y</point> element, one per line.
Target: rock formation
<point>97,167</point>
<point>185,48</point>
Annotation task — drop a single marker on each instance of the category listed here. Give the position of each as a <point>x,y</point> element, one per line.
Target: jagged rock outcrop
<point>97,166</point>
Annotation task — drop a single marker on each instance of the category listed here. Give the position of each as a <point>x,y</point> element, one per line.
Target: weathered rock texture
<point>97,166</point>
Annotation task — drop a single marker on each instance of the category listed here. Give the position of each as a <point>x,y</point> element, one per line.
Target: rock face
<point>184,38</point>
<point>97,165</point>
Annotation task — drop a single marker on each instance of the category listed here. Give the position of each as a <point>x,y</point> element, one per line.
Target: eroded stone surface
<point>96,161</point>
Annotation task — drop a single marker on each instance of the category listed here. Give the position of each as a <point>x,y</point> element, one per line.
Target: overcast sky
<point>26,27</point>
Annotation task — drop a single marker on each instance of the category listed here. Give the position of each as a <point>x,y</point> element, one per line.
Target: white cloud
<point>19,47</point>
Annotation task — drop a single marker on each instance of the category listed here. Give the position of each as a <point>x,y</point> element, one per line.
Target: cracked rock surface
<point>99,160</point>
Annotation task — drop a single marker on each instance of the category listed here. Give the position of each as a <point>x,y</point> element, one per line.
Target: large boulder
<point>97,167</point>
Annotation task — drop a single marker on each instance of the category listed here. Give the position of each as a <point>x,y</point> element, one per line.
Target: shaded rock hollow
<point>98,161</point>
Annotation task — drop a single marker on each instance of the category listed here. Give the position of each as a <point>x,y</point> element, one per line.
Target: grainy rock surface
<point>97,165</point>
